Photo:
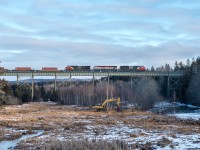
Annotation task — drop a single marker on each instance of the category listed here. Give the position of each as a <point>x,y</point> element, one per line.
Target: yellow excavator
<point>104,105</point>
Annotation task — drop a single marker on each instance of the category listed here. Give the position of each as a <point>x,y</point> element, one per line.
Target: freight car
<point>105,68</point>
<point>22,69</point>
<point>49,69</point>
<point>2,69</point>
<point>132,68</point>
<point>77,68</point>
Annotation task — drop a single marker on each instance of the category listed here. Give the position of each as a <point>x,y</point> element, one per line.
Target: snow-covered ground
<point>67,123</point>
<point>164,140</point>
<point>178,110</point>
<point>194,116</point>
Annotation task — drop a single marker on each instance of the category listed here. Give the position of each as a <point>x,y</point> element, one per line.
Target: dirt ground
<point>62,123</point>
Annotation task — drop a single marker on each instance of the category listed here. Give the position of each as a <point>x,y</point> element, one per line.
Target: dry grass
<point>51,117</point>
<point>86,145</point>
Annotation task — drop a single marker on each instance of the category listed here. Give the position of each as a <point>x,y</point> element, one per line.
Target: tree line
<point>144,92</point>
<point>188,88</point>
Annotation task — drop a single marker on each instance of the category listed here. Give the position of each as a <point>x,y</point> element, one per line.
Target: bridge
<point>92,73</point>
<point>170,75</point>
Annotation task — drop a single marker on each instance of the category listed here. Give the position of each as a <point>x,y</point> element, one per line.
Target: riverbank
<point>65,123</point>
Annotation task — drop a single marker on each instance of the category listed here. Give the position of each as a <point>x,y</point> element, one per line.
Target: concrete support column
<point>146,76</point>
<point>32,87</point>
<point>168,87</point>
<point>93,79</point>
<point>131,81</point>
<point>108,78</point>
<point>55,82</point>
<point>17,79</point>
<point>108,82</point>
<point>70,80</point>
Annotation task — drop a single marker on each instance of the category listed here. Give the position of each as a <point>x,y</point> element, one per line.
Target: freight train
<point>2,69</point>
<point>80,68</point>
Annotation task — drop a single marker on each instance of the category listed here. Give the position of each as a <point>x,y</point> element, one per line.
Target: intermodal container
<point>49,69</point>
<point>23,68</point>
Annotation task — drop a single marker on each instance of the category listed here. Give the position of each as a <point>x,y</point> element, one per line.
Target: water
<point>190,116</point>
<point>173,108</point>
<point>5,145</point>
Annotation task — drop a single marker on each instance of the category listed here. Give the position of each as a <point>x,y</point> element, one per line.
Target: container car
<point>23,69</point>
<point>49,69</point>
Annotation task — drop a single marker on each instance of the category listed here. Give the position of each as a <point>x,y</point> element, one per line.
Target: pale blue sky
<point>41,33</point>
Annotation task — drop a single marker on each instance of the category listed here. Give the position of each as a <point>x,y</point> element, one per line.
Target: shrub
<point>86,145</point>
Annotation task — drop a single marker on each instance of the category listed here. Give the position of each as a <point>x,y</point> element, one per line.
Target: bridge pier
<point>171,86</point>
<point>168,87</point>
<point>55,83</point>
<point>107,89</point>
<point>93,79</point>
<point>134,81</point>
<point>70,80</point>
<point>131,81</point>
<point>32,87</point>
<point>17,79</point>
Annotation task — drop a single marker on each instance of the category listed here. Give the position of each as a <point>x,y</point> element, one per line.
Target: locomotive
<point>134,68</point>
<point>105,68</point>
<point>78,68</point>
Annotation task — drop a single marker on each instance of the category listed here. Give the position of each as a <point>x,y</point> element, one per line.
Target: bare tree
<point>147,93</point>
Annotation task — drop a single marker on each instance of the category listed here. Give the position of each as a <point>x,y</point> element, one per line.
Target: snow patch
<point>193,116</point>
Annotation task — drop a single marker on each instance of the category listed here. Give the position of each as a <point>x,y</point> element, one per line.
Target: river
<point>5,145</point>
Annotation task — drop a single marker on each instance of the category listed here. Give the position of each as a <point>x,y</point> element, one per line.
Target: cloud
<point>82,32</point>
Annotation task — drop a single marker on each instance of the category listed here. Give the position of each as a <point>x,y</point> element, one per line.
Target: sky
<point>58,33</point>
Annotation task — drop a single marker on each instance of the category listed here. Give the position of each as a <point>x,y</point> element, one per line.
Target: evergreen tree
<point>152,68</point>
<point>176,67</point>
